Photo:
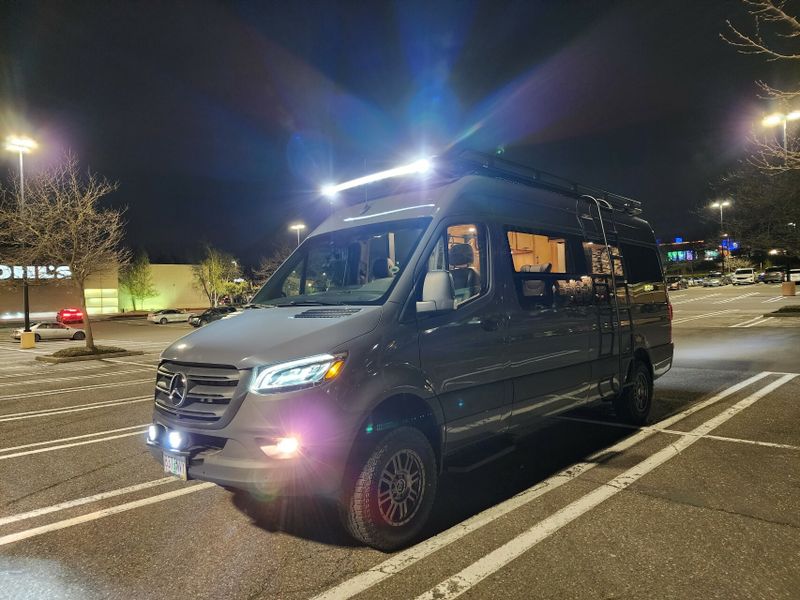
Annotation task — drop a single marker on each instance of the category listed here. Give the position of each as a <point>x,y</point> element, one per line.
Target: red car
<point>69,315</point>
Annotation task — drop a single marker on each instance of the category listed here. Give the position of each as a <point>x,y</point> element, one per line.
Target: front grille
<point>210,391</point>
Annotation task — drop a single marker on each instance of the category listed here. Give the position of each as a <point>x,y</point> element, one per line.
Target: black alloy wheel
<point>634,403</point>
<point>389,502</point>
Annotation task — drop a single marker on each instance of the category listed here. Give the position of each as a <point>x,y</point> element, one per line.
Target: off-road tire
<point>364,516</point>
<point>633,404</point>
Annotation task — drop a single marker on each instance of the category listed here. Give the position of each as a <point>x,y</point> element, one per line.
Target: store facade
<point>51,288</point>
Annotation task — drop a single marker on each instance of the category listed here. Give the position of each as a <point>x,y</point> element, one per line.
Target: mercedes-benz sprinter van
<point>417,332</point>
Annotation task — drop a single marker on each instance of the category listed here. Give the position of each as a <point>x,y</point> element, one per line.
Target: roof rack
<point>499,167</point>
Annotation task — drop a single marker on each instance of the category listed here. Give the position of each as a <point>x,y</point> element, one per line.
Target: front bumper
<point>231,455</point>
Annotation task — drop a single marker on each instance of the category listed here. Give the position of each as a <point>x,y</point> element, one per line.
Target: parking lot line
<point>63,446</point>
<point>744,323</point>
<point>93,516</point>
<point>775,299</point>
<point>80,377</point>
<point>82,388</point>
<point>478,571</point>
<point>48,412</point>
<point>69,439</point>
<point>85,500</point>
<point>402,560</point>
<point>729,300</point>
<point>703,316</point>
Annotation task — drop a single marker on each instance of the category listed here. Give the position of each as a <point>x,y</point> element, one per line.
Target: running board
<point>480,463</point>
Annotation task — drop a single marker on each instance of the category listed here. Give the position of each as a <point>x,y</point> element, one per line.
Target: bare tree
<point>63,223</point>
<point>269,264</point>
<point>137,279</point>
<point>774,34</point>
<point>214,274</point>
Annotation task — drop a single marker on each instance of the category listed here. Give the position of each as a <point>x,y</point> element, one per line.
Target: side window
<point>645,280</point>
<point>548,271</point>
<point>462,250</point>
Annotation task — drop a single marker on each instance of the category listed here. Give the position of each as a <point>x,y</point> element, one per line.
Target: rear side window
<point>642,264</point>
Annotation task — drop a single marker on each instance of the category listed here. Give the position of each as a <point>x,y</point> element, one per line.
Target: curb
<point>66,359</point>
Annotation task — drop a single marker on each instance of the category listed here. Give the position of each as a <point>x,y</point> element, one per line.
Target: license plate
<point>175,465</point>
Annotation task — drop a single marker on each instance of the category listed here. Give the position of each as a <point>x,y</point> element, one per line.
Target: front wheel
<point>79,335</point>
<point>634,403</point>
<point>37,337</point>
<point>392,496</point>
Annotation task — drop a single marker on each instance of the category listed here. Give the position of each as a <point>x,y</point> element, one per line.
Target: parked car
<point>676,282</point>
<point>212,314</point>
<point>794,274</point>
<point>774,274</point>
<point>51,331</point>
<point>386,349</point>
<point>743,276</point>
<point>715,279</point>
<point>69,315</point>
<point>168,315</point>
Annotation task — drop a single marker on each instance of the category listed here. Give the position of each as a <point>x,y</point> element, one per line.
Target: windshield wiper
<point>309,303</point>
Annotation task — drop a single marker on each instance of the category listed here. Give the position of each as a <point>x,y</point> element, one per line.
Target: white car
<point>51,331</point>
<point>794,275</point>
<point>742,276</point>
<point>168,315</point>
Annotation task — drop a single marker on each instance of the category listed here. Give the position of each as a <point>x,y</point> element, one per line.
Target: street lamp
<point>776,119</point>
<point>298,227</point>
<point>22,145</point>
<point>720,204</point>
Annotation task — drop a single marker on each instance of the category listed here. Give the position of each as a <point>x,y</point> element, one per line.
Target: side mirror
<point>438,293</point>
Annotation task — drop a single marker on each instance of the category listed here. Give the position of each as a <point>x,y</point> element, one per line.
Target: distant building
<point>51,290</point>
<point>688,252</point>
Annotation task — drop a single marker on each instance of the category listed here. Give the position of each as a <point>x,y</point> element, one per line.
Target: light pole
<point>720,204</point>
<point>298,227</point>
<point>22,146</point>
<point>780,119</point>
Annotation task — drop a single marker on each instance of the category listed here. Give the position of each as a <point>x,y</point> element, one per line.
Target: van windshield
<point>352,266</point>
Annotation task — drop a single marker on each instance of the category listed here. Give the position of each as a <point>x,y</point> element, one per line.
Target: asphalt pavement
<point>703,503</point>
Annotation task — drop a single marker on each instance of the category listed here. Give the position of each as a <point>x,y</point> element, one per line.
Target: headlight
<point>305,372</point>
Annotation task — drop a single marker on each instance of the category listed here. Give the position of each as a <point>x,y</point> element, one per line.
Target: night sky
<point>220,121</point>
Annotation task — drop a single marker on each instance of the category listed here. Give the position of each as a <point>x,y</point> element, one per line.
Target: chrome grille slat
<point>210,391</point>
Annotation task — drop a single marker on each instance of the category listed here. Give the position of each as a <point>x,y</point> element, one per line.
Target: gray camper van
<point>417,332</point>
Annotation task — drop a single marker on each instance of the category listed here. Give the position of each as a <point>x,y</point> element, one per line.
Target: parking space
<point>731,306</point>
<point>704,501</point>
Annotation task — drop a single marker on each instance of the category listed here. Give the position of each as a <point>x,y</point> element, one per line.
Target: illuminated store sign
<point>35,272</point>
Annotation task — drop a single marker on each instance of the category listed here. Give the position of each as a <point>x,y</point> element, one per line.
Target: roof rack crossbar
<point>534,177</point>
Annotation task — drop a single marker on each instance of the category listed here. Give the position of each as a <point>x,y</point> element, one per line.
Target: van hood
<point>262,336</point>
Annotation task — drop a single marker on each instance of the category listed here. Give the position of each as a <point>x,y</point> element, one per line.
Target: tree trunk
<point>87,324</point>
<point>133,303</point>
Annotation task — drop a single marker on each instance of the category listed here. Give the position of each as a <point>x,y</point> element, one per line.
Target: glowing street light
<point>776,119</point>
<point>421,166</point>
<point>22,145</point>
<point>720,204</point>
<point>298,227</point>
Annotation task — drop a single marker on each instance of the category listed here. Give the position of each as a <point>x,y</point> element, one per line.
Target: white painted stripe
<point>765,320</point>
<point>33,414</point>
<point>704,315</point>
<point>743,323</point>
<point>85,500</point>
<point>74,444</point>
<point>742,297</point>
<point>81,377</point>
<point>402,560</point>
<point>93,516</point>
<point>153,365</point>
<point>69,439</point>
<point>775,299</point>
<point>40,368</point>
<point>82,388</point>
<point>722,438</point>
<point>461,582</point>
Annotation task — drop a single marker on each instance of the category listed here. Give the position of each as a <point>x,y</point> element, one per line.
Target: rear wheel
<point>634,403</point>
<point>392,496</point>
<point>37,337</point>
<point>79,335</point>
<point>163,321</point>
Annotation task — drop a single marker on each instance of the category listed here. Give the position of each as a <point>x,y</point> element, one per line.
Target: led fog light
<point>152,433</point>
<point>285,447</point>
<point>175,439</point>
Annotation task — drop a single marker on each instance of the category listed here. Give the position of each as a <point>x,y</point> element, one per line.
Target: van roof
<point>467,194</point>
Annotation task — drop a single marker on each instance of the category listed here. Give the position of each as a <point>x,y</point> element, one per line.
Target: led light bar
<point>423,165</point>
